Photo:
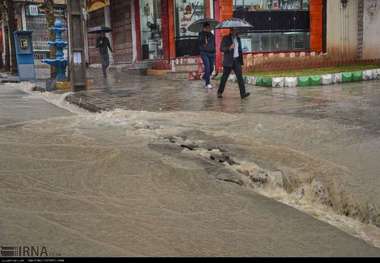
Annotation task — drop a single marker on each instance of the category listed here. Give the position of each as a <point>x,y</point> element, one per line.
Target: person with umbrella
<point>103,44</point>
<point>206,42</point>
<point>206,45</point>
<point>233,55</point>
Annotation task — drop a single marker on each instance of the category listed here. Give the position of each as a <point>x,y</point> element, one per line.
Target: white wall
<point>371,33</point>
<point>342,29</point>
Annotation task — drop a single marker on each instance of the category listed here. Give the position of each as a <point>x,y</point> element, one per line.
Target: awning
<point>93,5</point>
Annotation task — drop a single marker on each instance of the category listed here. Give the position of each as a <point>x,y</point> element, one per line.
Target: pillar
<point>223,9</point>
<point>316,25</point>
<point>138,30</point>
<point>171,26</point>
<point>107,23</point>
<point>76,37</point>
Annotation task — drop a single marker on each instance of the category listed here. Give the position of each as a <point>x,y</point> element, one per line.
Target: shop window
<point>275,42</point>
<point>261,5</point>
<point>279,25</point>
<point>151,25</point>
<point>187,12</point>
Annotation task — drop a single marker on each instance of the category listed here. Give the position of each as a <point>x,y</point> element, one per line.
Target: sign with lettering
<point>33,10</point>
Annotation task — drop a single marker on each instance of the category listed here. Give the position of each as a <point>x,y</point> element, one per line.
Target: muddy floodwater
<point>260,180</point>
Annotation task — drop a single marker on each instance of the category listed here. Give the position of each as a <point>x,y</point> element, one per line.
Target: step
<point>177,75</point>
<point>186,67</point>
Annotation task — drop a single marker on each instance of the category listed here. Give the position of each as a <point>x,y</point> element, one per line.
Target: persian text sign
<point>93,5</point>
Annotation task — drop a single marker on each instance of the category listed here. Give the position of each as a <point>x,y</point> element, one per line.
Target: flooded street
<point>171,170</point>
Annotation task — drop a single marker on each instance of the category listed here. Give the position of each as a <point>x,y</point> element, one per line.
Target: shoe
<point>246,95</point>
<point>220,96</point>
<point>209,86</point>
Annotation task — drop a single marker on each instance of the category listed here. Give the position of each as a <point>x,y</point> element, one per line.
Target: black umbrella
<point>99,29</point>
<point>197,26</point>
<point>234,23</point>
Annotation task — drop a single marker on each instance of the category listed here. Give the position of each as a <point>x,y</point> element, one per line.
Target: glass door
<point>151,29</point>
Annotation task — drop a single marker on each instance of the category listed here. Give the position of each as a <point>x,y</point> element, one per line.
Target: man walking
<point>103,44</point>
<point>206,41</point>
<point>233,60</point>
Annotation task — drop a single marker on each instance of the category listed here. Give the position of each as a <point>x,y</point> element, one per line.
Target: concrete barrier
<point>315,80</point>
<point>337,78</point>
<point>327,79</point>
<point>251,80</point>
<point>278,82</point>
<point>267,82</point>
<point>346,76</point>
<point>357,76</point>
<point>303,81</point>
<point>290,82</point>
<point>259,81</point>
<point>376,73</point>
<point>232,78</point>
<point>368,74</point>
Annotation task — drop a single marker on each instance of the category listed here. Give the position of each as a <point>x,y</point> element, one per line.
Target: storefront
<point>157,30</point>
<point>162,27</point>
<point>117,15</point>
<point>151,17</point>
<point>186,12</point>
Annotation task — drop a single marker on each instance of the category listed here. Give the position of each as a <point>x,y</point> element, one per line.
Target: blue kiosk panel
<point>25,55</point>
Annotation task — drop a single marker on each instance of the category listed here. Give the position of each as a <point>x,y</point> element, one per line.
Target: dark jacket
<point>206,42</point>
<point>228,57</point>
<point>103,44</point>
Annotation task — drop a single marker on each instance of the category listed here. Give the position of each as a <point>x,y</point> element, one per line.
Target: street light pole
<point>77,64</point>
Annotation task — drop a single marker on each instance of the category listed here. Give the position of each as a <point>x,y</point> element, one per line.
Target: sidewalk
<point>341,103</point>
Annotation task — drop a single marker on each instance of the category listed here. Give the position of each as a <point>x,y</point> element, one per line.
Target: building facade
<point>156,30</point>
<point>30,16</point>
<point>286,33</point>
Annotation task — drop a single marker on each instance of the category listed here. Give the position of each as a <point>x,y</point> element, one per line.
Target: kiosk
<point>25,55</point>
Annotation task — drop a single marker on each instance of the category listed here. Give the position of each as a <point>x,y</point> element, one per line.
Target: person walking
<point>232,60</point>
<point>206,42</point>
<point>103,44</point>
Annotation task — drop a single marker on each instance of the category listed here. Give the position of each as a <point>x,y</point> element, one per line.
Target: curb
<point>313,80</point>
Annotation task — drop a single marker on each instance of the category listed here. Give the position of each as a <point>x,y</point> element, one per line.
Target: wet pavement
<point>352,103</point>
<point>121,184</point>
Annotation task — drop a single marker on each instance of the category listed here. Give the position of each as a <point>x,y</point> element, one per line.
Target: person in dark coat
<point>232,60</point>
<point>103,44</point>
<point>206,42</point>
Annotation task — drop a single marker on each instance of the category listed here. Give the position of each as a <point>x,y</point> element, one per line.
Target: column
<point>107,22</point>
<point>23,17</point>
<point>171,6</point>
<point>316,25</point>
<point>137,29</point>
